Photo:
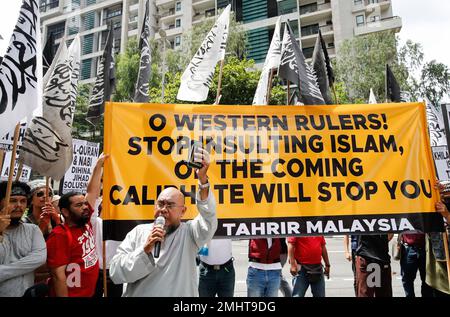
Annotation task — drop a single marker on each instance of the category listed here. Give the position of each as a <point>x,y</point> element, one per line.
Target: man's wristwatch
<point>203,186</point>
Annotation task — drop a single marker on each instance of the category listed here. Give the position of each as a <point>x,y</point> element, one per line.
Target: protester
<point>174,272</point>
<point>305,257</point>
<point>351,255</point>
<point>93,197</point>
<point>436,261</point>
<point>216,269</point>
<point>285,287</point>
<point>72,256</point>
<point>22,246</point>
<point>41,211</point>
<point>413,259</point>
<point>372,256</point>
<point>264,270</point>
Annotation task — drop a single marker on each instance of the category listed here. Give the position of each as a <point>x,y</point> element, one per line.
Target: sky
<point>425,22</point>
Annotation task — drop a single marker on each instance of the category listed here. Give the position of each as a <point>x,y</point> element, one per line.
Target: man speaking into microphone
<point>159,259</point>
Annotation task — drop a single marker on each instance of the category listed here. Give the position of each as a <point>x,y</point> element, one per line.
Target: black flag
<point>47,53</point>
<point>392,86</point>
<point>104,83</point>
<point>294,68</point>
<point>142,84</point>
<point>320,67</point>
<point>330,71</point>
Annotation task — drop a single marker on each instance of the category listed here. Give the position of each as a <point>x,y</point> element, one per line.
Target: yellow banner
<point>275,163</point>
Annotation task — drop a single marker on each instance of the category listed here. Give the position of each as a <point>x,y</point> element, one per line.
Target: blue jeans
<point>301,283</point>
<point>216,282</point>
<point>412,260</point>
<point>261,283</point>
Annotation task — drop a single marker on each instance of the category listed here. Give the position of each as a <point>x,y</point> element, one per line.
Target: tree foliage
<point>361,61</point>
<point>435,81</point>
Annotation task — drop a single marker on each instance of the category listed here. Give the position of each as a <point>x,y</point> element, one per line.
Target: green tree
<point>236,42</point>
<point>81,128</point>
<point>361,62</point>
<point>435,81</point>
<point>127,66</point>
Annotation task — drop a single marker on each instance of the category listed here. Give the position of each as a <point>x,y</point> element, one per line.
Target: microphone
<point>159,222</point>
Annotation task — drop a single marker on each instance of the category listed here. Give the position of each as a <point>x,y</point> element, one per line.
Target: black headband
<point>18,191</point>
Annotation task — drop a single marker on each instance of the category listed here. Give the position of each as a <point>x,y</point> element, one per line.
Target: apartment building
<point>337,19</point>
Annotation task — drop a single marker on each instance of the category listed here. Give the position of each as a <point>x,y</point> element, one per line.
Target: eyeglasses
<point>168,205</point>
<point>42,194</point>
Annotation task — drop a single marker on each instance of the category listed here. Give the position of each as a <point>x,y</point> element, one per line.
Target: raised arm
<point>95,181</point>
<point>204,225</point>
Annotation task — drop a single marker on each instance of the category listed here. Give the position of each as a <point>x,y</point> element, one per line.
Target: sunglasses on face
<point>42,194</point>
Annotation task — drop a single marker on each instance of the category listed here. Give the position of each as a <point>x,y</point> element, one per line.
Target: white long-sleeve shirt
<point>174,273</point>
<point>22,251</point>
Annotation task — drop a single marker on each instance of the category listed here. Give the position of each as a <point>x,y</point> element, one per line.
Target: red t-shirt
<point>74,247</point>
<point>307,250</point>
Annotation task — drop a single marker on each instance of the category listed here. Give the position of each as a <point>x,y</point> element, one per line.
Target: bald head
<point>171,194</point>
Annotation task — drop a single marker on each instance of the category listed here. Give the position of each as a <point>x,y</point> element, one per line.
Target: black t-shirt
<point>374,248</point>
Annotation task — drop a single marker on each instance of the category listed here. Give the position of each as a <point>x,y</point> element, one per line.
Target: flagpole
<point>11,166</point>
<point>447,257</point>
<point>269,86</point>
<point>288,92</point>
<point>47,183</point>
<point>385,84</point>
<point>219,85</point>
<point>334,93</point>
<point>105,284</point>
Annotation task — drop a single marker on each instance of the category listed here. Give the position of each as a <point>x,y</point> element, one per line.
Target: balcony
<point>49,10</point>
<point>169,16</point>
<point>201,16</point>
<point>134,7</point>
<point>314,12</point>
<point>309,38</point>
<point>392,23</point>
<point>172,30</point>
<point>202,4</point>
<point>165,4</point>
<point>365,5</point>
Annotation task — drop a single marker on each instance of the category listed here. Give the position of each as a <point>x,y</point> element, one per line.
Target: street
<point>340,283</point>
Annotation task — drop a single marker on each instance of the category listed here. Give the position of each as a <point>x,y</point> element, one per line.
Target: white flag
<point>372,98</point>
<point>272,61</point>
<point>47,146</point>
<point>197,77</point>
<point>21,69</point>
<point>436,126</point>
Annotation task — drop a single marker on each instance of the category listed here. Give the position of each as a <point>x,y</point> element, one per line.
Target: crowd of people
<point>52,246</point>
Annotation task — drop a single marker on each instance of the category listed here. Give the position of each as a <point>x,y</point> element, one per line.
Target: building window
<point>177,40</point>
<point>57,30</point>
<point>310,29</point>
<point>359,20</point>
<point>178,6</point>
<point>287,6</point>
<point>357,2</point>
<point>113,13</point>
<point>86,68</point>
<point>308,8</point>
<point>373,1</point>
<point>177,23</point>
